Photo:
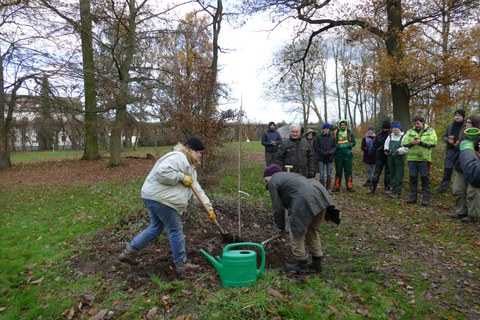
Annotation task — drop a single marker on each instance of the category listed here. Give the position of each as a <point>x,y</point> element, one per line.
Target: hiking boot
<point>350,190</point>
<point>367,184</point>
<point>469,219</point>
<point>129,256</point>
<point>300,266</point>
<point>370,191</point>
<point>411,201</point>
<point>316,264</point>
<point>458,216</point>
<point>186,267</point>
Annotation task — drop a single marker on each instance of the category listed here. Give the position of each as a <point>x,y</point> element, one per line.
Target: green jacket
<point>423,150</point>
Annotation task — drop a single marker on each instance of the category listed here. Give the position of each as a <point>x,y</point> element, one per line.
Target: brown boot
<point>186,267</point>
<point>129,256</point>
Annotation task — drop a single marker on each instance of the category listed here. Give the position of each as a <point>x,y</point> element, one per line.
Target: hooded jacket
<point>344,138</point>
<point>164,182</point>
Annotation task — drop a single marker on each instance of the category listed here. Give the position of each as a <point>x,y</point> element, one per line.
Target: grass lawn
<point>386,260</point>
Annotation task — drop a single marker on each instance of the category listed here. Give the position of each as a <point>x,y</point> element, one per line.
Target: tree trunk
<point>399,87</point>
<point>116,137</point>
<point>91,136</point>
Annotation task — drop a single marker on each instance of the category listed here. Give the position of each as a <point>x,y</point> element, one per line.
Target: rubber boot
<point>412,196</point>
<point>350,185</point>
<point>129,256</point>
<point>328,184</point>
<point>301,266</point>
<point>336,186</point>
<point>425,191</point>
<point>316,264</point>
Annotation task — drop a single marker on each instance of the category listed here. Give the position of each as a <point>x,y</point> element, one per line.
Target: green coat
<point>422,151</point>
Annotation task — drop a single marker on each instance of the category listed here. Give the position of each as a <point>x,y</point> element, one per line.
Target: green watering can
<point>238,268</point>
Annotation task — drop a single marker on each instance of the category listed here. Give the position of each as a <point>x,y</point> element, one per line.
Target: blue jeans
<point>322,166</point>
<point>162,217</point>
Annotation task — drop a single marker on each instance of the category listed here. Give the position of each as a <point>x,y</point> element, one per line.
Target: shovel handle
<point>207,210</point>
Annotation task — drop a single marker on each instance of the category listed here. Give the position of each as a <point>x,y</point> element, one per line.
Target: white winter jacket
<point>164,182</point>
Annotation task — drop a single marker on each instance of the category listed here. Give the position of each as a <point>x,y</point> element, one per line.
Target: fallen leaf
<point>100,315</point>
<point>38,281</point>
<point>275,293</point>
<point>166,303</point>
<point>152,313</point>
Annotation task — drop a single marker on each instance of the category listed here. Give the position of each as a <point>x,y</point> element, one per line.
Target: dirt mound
<point>156,259</point>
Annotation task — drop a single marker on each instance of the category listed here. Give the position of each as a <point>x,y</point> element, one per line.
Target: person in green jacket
<point>419,140</point>
<point>345,141</point>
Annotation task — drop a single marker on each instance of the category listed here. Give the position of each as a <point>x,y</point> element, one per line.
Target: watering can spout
<point>218,266</point>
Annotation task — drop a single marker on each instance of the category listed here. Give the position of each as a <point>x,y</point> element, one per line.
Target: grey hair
<point>295,125</point>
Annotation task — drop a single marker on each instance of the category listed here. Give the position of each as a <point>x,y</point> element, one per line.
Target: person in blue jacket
<point>271,139</point>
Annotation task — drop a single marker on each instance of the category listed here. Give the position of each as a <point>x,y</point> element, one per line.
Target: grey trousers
<point>467,198</point>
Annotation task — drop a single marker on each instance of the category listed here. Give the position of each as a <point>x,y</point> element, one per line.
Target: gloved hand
<point>402,150</point>
<point>467,145</point>
<point>187,181</point>
<point>387,152</point>
<point>211,215</point>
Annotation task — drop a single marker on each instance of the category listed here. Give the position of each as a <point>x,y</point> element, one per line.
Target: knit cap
<point>271,169</point>
<point>195,144</point>
<point>326,125</point>
<point>460,112</point>
<point>396,125</point>
<point>386,124</point>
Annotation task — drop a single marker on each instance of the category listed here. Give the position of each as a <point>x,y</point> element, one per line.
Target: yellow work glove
<point>187,181</point>
<point>211,215</point>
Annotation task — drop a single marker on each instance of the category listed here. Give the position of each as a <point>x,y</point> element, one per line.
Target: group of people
<point>305,202</point>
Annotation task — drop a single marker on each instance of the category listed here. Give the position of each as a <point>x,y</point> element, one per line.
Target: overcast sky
<point>251,48</point>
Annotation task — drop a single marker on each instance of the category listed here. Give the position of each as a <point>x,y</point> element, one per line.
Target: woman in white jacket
<point>396,159</point>
<point>166,193</point>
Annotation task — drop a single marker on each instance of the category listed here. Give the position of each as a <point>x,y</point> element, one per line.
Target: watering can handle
<point>245,244</point>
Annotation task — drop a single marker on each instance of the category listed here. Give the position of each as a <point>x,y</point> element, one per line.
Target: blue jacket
<point>268,136</point>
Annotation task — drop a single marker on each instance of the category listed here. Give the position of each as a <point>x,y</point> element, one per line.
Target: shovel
<point>279,235</point>
<point>227,237</point>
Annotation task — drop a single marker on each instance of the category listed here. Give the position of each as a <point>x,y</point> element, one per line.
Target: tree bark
<point>91,131</point>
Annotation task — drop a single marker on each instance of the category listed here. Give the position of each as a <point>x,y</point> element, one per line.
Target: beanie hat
<point>270,123</point>
<point>396,125</point>
<point>460,112</point>
<point>326,125</point>
<point>195,144</point>
<point>386,124</point>
<point>271,169</point>
<point>310,130</point>
<point>371,128</point>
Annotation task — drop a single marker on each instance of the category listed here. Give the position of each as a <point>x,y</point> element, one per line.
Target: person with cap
<point>466,184</point>
<point>324,148</point>
<point>368,154</point>
<point>271,139</point>
<point>166,193</point>
<point>381,159</point>
<point>450,137</point>
<point>345,141</point>
<point>420,140</point>
<point>297,153</point>
<point>308,204</point>
<point>396,159</point>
